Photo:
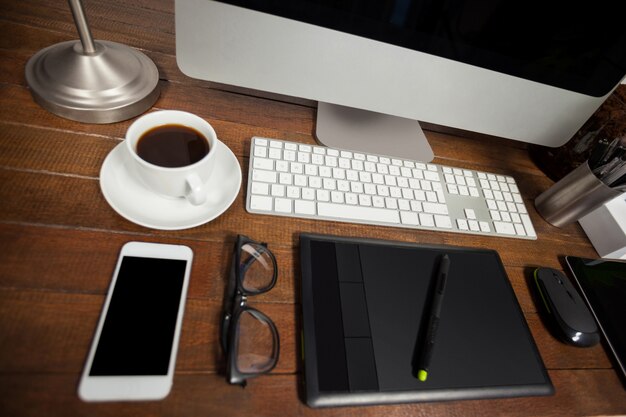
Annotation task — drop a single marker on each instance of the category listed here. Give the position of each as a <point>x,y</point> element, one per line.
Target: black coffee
<point>172,146</point>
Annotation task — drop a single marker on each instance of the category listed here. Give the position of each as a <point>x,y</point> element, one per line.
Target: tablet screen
<point>603,283</point>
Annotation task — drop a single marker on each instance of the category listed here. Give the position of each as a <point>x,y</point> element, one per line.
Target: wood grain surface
<point>59,240</point>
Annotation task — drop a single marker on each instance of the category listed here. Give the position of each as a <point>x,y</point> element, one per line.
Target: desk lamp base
<point>110,84</point>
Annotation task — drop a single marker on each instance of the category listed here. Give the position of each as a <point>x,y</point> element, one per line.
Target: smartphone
<point>603,285</point>
<point>133,353</point>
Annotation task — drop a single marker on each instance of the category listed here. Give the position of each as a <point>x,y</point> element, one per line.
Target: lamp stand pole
<point>92,81</point>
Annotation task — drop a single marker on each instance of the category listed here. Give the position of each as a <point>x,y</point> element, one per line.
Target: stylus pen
<point>433,319</point>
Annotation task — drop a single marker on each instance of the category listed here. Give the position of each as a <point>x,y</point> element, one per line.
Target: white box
<point>606,228</point>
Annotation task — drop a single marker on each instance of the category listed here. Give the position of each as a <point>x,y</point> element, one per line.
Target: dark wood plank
<point>578,393</point>
<point>207,103</point>
<point>82,261</point>
<point>51,332</point>
<point>143,28</point>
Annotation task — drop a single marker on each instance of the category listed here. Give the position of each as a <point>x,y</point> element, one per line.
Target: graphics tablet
<point>364,307</point>
<point>603,284</point>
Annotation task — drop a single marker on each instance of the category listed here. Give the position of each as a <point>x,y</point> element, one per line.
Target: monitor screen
<point>559,43</point>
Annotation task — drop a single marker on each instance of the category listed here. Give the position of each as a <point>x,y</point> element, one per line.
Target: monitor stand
<point>361,130</point>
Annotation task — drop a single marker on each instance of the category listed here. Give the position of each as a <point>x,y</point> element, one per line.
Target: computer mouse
<point>566,308</point>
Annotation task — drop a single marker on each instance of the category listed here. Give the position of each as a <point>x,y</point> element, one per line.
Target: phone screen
<point>603,283</point>
<point>138,331</point>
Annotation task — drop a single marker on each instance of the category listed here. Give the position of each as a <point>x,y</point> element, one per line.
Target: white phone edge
<point>136,388</point>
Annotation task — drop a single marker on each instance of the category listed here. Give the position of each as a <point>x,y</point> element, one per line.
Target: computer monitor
<point>532,71</point>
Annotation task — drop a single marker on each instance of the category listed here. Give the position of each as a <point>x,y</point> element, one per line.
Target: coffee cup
<point>173,153</point>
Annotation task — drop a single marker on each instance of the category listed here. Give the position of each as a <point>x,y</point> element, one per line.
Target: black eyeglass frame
<point>236,304</point>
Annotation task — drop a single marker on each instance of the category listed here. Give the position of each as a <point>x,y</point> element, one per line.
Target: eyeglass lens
<point>257,267</point>
<point>255,348</point>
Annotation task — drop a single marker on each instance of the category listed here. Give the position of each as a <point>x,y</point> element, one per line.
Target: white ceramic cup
<point>188,181</point>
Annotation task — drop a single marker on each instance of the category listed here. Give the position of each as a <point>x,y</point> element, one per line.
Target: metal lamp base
<point>113,83</point>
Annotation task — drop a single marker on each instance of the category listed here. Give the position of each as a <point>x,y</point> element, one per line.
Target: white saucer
<point>133,201</point>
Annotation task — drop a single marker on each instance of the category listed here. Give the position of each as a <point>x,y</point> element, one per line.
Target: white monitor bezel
<point>236,46</point>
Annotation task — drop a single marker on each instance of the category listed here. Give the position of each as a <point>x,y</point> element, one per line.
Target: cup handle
<point>197,192</point>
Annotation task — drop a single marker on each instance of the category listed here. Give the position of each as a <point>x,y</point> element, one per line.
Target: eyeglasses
<point>249,338</point>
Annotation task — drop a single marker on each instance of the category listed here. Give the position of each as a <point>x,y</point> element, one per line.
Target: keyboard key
<point>315,182</point>
<point>443,221</point>
<point>431,175</point>
<point>289,156</point>
<point>530,230</point>
<point>392,203</point>
<point>285,178</point>
<point>427,219</point>
<point>261,203</point>
<point>282,205</point>
<point>264,176</point>
<point>322,195</point>
<point>409,217</point>
<point>504,228</point>
<point>262,163</point>
<point>416,206</point>
<point>282,166</point>
<point>260,188</point>
<point>296,168</point>
<point>304,157</point>
<point>275,153</point>
<point>351,198</point>
<point>260,151</point>
<point>308,194</point>
<point>358,212</point>
<point>435,208</point>
<point>293,192</point>
<point>278,190</point>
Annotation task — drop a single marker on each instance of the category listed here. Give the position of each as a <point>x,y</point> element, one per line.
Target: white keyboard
<point>316,182</point>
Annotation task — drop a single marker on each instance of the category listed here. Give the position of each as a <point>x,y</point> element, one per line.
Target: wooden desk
<point>59,241</point>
